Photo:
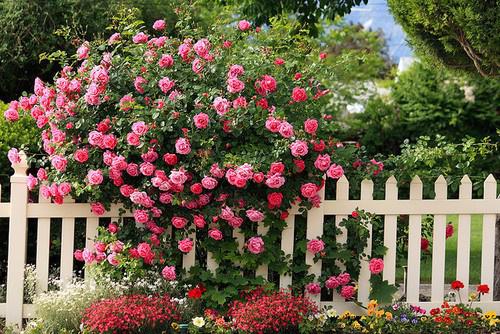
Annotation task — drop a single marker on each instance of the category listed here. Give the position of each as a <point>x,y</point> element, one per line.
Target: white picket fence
<point>19,210</point>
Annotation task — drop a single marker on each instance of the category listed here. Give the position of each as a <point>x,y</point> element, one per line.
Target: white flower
<point>199,322</point>
<point>331,313</point>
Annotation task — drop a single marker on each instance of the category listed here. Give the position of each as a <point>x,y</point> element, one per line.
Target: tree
<point>459,34</point>
<point>308,12</point>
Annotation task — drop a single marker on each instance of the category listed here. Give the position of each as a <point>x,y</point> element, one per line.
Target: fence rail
<point>19,210</point>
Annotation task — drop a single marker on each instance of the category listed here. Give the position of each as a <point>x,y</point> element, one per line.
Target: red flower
<point>424,244</point>
<point>449,230</point>
<point>457,285</point>
<point>196,292</point>
<point>435,311</point>
<point>483,288</point>
<point>355,214</point>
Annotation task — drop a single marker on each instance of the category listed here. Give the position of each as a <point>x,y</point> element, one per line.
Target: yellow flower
<point>175,326</point>
<point>372,304</point>
<point>423,318</point>
<point>342,325</point>
<point>490,315</point>
<point>345,315</point>
<point>356,325</point>
<point>199,322</point>
<point>380,313</point>
<point>493,322</point>
<point>388,315</point>
<point>473,296</point>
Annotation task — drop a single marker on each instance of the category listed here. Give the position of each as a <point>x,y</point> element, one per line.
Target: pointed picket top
<point>441,187</point>
<point>21,167</point>
<point>391,180</point>
<point>416,188</point>
<point>342,188</point>
<point>490,187</point>
<point>465,189</point>
<point>367,189</point>
<point>391,188</point>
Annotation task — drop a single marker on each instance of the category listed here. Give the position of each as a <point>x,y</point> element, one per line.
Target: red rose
<point>300,165</point>
<point>170,159</point>
<point>275,199</point>
<point>196,188</point>
<point>457,285</point>
<point>299,94</point>
<point>483,288</point>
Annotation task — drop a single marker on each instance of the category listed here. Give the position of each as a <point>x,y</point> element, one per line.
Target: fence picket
<point>341,194</point>
<point>263,269</point>
<point>414,236</point>
<point>488,244</point>
<point>189,259</point>
<point>287,244</point>
<point>439,243</point>
<point>364,274</point>
<point>390,232</point>
<point>463,239</point>
<point>67,247</point>
<point>42,250</point>
<point>90,234</point>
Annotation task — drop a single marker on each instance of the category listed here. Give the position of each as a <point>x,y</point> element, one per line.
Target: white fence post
<point>414,240</point>
<point>439,244</point>
<point>18,228</point>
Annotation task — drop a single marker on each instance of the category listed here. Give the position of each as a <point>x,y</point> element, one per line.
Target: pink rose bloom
<point>201,120</point>
<point>147,168</point>
<point>97,208</point>
<point>14,156</point>
<point>166,198</point>
<point>376,266</point>
<point>64,188</point>
<point>168,273</point>
<point>313,288</point>
<point>109,141</point>
<point>140,38</point>
<point>95,138</point>
<point>114,38</point>
<point>31,182</point>
<point>308,190</point>
<point>88,256</point>
<point>216,171</point>
<point>255,245</point>
<point>275,181</point>
<point>449,231</point>
<point>95,177</point>
<point>344,278</point>
<point>166,61</point>
<point>133,139</point>
<point>315,246</point>
<point>199,221</point>
<point>240,102</point>
<point>276,168</point>
<point>244,25</point>
<point>347,292</point>
<point>235,85</point>
<point>255,215</point>
<point>182,146</point>
<point>185,245</point>
<point>166,84</point>
<point>221,105</point>
<point>179,222</point>
<point>82,52</point>
<point>184,50</point>
<point>126,102</point>
<point>299,148</point>
<point>159,25</point>
<point>202,47</point>
<point>209,182</point>
<point>310,126</point>
<point>59,163</point>
<point>273,125</point>
<point>144,249</point>
<point>332,283</point>
<point>215,234</point>
<point>299,94</point>
<point>286,129</point>
<point>78,254</point>
<point>138,84</point>
<point>335,171</point>
<point>322,162</point>
<point>197,66</point>
<point>178,177</point>
<point>141,216</point>
<point>113,228</point>
<point>139,128</point>
<point>81,155</point>
<point>235,71</point>
<point>11,115</point>
<point>113,260</point>
<point>117,246</point>
<point>268,83</point>
<point>133,169</point>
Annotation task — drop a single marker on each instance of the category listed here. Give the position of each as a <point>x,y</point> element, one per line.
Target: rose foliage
<point>198,137</point>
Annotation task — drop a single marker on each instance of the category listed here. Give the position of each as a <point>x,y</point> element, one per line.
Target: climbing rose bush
<point>197,136</point>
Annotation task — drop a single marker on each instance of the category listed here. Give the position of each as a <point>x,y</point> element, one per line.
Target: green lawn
<point>451,254</point>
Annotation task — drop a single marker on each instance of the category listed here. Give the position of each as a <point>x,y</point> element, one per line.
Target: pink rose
<point>313,288</point>
<point>147,168</point>
<point>139,128</point>
<point>199,221</point>
<point>273,125</point>
<point>81,155</point>
<point>59,163</point>
<point>299,94</point>
<point>322,162</point>
<point>170,159</point>
<point>286,129</point>
<point>310,126</point>
<point>235,71</point>
<point>31,182</point>
<point>168,273</point>
<point>315,246</point>
<point>197,66</point>
<point>113,228</point>
<point>182,146</point>
<point>201,120</point>
<point>209,182</point>
<point>335,171</point>
<point>64,188</point>
<point>179,222</point>
<point>275,181</point>
<point>244,25</point>
<point>275,199</point>
<point>141,216</point>
<point>221,105</point>
<point>376,266</point>
<point>299,148</point>
<point>114,38</point>
<point>344,278</point>
<point>166,84</point>
<point>117,246</point>
<point>88,256</point>
<point>14,156</point>
<point>95,177</point>
<point>11,115</point>
<point>235,85</point>
<point>82,53</point>
<point>140,38</point>
<point>78,254</point>
<point>255,215</point>
<point>178,177</point>
<point>113,260</point>
<point>132,169</point>
<point>159,25</point>
<point>332,283</point>
<point>308,190</point>
<point>215,234</point>
<point>347,292</point>
<point>97,208</point>
<point>166,61</point>
<point>255,245</point>
<point>133,139</point>
<point>185,245</point>
<point>202,47</point>
<point>95,138</point>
